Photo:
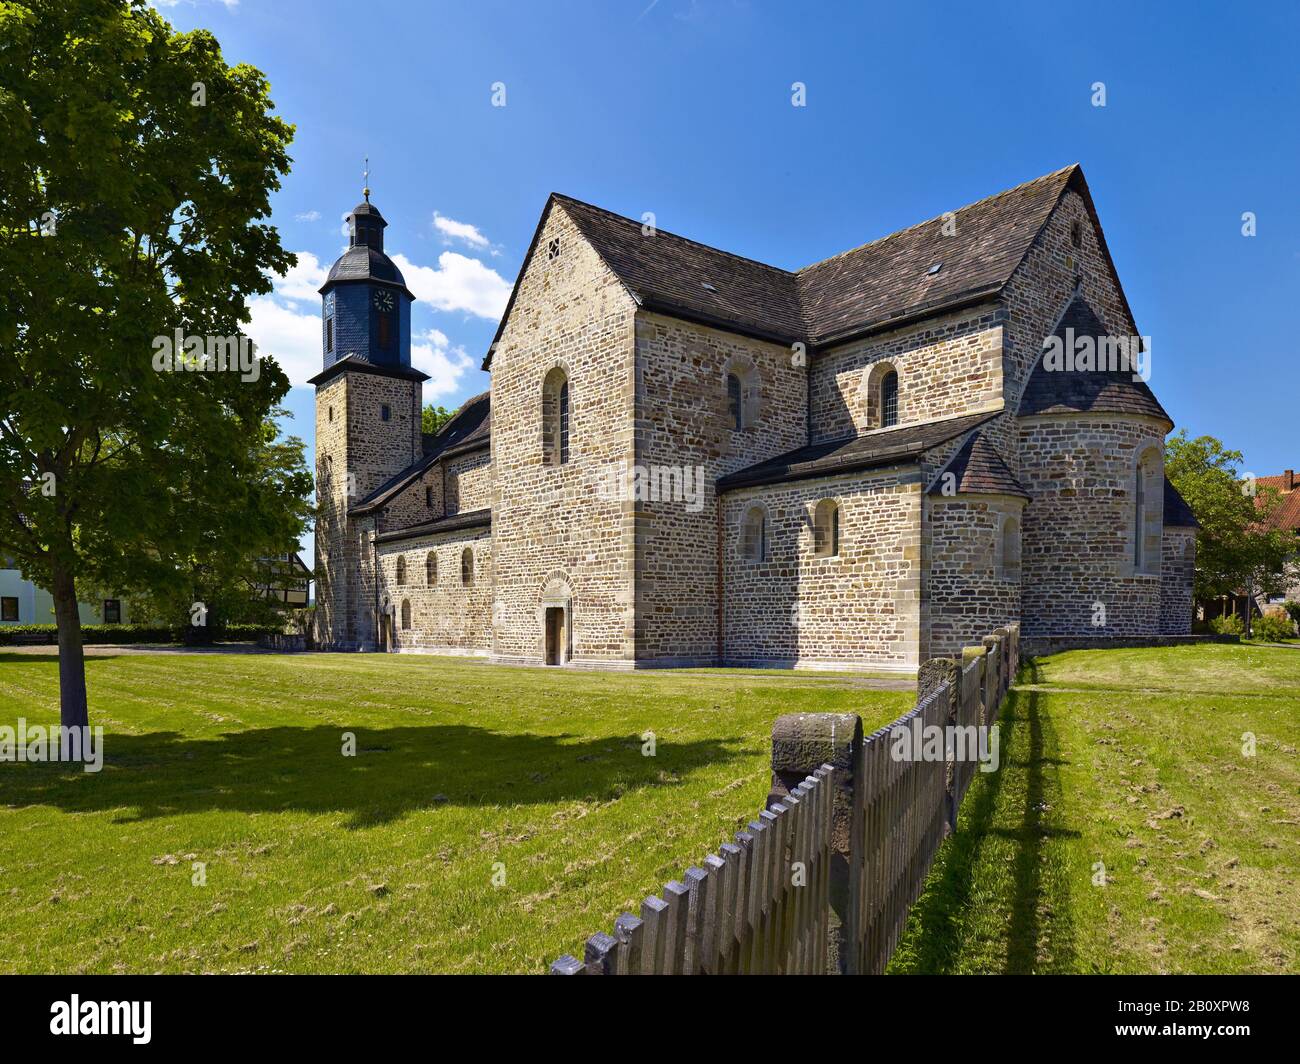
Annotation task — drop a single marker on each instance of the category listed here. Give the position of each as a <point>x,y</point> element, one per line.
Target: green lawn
<point>382,862</point>
<point>1130,758</point>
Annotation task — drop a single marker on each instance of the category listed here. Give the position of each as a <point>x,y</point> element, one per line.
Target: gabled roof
<point>850,454</point>
<point>978,469</point>
<point>874,287</point>
<point>1052,390</point>
<point>1177,513</point>
<point>468,430</point>
<point>1286,515</point>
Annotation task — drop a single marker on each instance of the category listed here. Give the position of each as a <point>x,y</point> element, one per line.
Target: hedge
<point>127,633</point>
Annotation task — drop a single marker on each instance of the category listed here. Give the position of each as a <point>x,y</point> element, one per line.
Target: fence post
<point>801,744</point>
<point>932,675</point>
<point>980,652</point>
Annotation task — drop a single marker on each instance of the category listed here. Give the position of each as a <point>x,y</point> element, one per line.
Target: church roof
<point>871,288</point>
<point>978,469</point>
<point>1177,513</point>
<point>468,430</point>
<point>1060,391</point>
<point>453,523</point>
<point>849,454</point>
<point>364,263</point>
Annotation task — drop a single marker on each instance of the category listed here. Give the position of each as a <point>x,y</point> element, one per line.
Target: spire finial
<point>366,175</point>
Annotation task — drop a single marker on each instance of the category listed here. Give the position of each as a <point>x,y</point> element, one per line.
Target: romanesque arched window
<point>889,399</point>
<point>406,613</point>
<point>826,529</point>
<point>431,569</point>
<point>742,397</point>
<point>1009,549</point>
<point>753,535</point>
<point>735,401</point>
<point>1147,506</point>
<point>880,390</point>
<point>467,566</point>
<point>401,569</point>
<point>555,417</point>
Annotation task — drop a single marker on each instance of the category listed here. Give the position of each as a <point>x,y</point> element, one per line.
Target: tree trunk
<point>72,662</point>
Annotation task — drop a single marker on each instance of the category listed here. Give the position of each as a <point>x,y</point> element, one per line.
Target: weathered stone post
<point>932,675</point>
<point>978,678</point>
<point>801,744</point>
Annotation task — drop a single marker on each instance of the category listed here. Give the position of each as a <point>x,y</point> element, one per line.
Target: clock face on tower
<point>384,300</point>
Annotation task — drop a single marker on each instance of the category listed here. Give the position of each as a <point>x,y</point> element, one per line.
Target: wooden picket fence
<point>824,878</point>
<point>757,906</point>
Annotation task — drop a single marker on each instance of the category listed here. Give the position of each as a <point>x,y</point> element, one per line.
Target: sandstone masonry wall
<point>860,609</point>
<point>684,423</point>
<point>550,525</point>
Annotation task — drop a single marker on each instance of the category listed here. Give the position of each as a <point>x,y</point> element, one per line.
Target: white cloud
<point>458,283</point>
<point>302,281</point>
<point>463,231</point>
<point>307,216</point>
<point>433,353</point>
<point>292,338</point>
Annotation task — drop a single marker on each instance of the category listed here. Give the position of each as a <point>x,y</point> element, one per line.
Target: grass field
<point>381,862</point>
<point>1126,768</point>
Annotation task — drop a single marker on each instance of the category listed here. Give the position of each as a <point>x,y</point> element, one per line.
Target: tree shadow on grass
<point>933,939</point>
<point>394,771</point>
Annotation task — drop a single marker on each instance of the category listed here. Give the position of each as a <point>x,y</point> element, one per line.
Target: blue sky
<point>683,108</point>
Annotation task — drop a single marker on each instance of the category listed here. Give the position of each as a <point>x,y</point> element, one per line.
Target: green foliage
<point>1273,628</point>
<point>1229,624</point>
<point>433,418</point>
<point>1234,553</point>
<point>1293,611</point>
<point>136,176</point>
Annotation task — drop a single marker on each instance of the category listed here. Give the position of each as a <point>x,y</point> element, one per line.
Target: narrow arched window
<point>889,399</point>
<point>467,566</point>
<point>555,417</point>
<point>431,569</point>
<point>735,402</point>
<point>1010,548</point>
<point>406,613</point>
<point>753,536</point>
<point>401,569</point>
<point>1139,524</point>
<point>1146,514</point>
<point>742,397</point>
<point>826,529</point>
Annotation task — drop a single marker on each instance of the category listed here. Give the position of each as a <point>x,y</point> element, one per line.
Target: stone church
<point>689,458</point>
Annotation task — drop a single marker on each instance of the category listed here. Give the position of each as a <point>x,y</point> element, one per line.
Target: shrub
<point>1273,628</point>
<point>125,633</point>
<point>1293,611</point>
<point>1230,625</point>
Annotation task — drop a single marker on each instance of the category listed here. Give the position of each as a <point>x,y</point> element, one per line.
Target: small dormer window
<point>934,269</point>
<point>384,412</point>
<point>708,287</point>
<point>553,249</point>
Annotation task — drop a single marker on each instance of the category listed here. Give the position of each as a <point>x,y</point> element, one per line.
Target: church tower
<point>367,421</point>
